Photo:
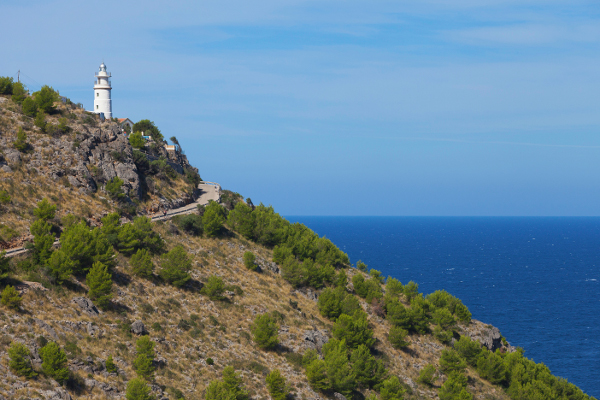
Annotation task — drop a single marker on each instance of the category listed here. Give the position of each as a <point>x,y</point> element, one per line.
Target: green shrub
<point>468,349</point>
<point>392,389</point>
<point>99,280</point>
<point>137,141</point>
<point>141,263</point>
<point>175,266</point>
<point>250,261</point>
<point>138,389</point>
<point>398,315</point>
<point>149,129</point>
<point>45,99</point>
<point>40,119</point>
<point>20,360</point>
<point>86,246</point>
<point>30,107</point>
<point>143,363</point>
<point>54,362</point>
<point>354,330</point>
<point>426,375</point>
<point>393,287</point>
<point>368,289</point>
<point>334,372</point>
<point>450,362</point>
<point>277,386</point>
<point>190,223</point>
<point>210,361</point>
<point>10,297</point>
<point>490,366</point>
<point>377,275</point>
<point>442,335</point>
<point>443,318</point>
<point>60,265</point>
<point>411,290</point>
<point>4,197</point>
<point>397,337</point>
<point>265,332</point>
<point>114,188</point>
<point>127,239</point>
<point>361,266</point>
<point>213,219</point>
<point>455,388</point>
<point>21,143</point>
<point>6,85</point>
<point>214,288</point>
<point>368,371</point>
<point>19,93</point>
<point>148,238</point>
<point>110,364</point>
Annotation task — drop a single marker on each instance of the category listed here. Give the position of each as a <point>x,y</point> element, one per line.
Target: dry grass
<point>222,327</point>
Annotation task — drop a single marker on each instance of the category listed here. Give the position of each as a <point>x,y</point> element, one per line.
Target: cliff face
<point>76,155</point>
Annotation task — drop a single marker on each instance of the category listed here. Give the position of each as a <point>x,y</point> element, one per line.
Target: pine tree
<point>10,297</point>
<point>20,361</point>
<point>54,362</point>
<point>367,370</point>
<point>61,266</point>
<point>450,362</point>
<point>99,280</point>
<point>44,210</point>
<point>354,330</point>
<point>127,241</point>
<point>455,388</point>
<point>143,364</point>
<point>265,331</point>
<point>29,107</point>
<point>397,337</point>
<point>250,260</point>
<point>337,368</point>
<point>213,219</point>
<point>175,266</point>
<point>21,142</point>
<point>233,381</point>
<point>392,389</point>
<point>138,389</point>
<point>141,263</point>
<point>426,375</point>
<point>110,365</point>
<point>277,386</point>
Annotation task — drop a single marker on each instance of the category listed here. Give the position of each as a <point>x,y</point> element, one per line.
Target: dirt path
<point>208,191</point>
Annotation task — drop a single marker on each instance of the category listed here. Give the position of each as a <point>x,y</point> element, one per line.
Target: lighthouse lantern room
<point>102,88</point>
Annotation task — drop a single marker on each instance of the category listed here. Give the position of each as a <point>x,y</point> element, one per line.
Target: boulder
<point>339,396</point>
<point>315,339</point>
<point>86,305</point>
<point>12,156</point>
<point>138,328</point>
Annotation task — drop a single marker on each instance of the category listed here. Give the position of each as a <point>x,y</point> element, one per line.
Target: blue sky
<point>423,107</point>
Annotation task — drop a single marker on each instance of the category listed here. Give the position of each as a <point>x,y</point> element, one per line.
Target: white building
<point>102,88</point>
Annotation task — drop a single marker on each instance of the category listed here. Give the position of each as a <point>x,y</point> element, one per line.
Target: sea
<point>535,278</point>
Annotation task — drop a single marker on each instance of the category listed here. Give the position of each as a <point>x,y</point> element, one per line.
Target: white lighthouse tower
<point>102,88</point>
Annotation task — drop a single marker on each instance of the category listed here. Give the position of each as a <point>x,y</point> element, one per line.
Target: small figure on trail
<point>165,213</point>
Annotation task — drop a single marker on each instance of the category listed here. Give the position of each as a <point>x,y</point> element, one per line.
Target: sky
<point>418,108</point>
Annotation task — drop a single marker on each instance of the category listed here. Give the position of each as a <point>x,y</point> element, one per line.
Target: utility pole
<point>18,75</point>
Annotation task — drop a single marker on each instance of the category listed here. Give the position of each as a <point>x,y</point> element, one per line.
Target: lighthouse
<point>102,88</point>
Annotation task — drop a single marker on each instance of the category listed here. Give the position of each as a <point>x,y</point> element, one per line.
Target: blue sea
<point>536,279</point>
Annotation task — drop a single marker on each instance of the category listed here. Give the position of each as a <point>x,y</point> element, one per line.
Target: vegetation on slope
<point>234,302</point>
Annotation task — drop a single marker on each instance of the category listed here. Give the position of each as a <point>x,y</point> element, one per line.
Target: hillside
<point>234,285</point>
